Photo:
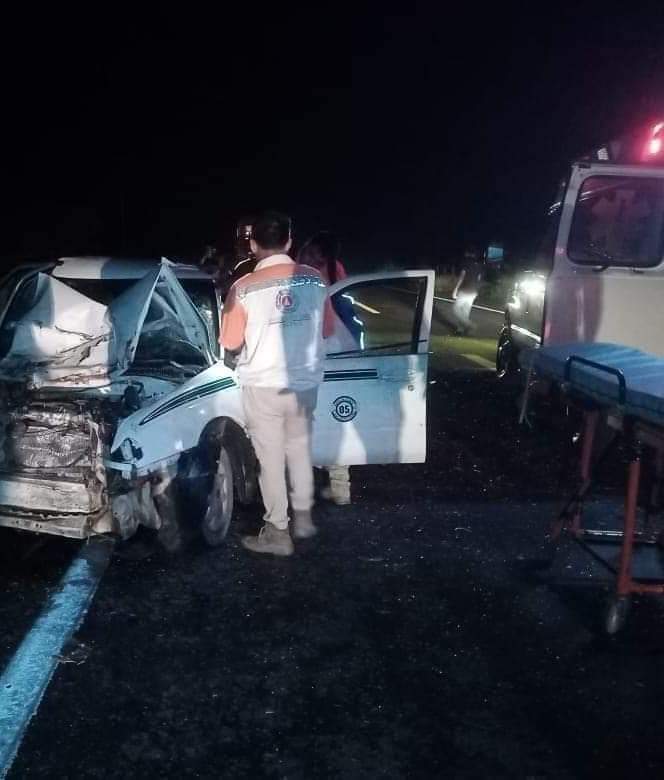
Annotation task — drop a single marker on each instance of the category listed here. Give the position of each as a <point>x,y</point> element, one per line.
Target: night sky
<point>409,132</point>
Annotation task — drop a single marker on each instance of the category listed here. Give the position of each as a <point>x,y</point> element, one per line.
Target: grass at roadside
<point>453,352</point>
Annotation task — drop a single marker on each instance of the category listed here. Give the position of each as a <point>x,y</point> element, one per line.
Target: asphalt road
<point>413,638</point>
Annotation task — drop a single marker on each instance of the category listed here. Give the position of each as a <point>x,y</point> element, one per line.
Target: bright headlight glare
<point>533,287</point>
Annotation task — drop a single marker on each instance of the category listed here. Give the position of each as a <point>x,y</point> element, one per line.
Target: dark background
<point>409,132</point>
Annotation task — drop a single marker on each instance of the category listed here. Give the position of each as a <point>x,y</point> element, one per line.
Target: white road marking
<point>366,308</point>
<point>355,302</point>
<point>24,681</point>
<point>475,305</point>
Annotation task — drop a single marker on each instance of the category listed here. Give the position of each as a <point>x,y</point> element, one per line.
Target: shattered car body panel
<point>50,330</point>
<point>59,336</point>
<point>211,394</point>
<point>51,464</point>
<point>157,309</point>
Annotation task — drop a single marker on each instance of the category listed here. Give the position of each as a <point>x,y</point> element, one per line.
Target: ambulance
<point>599,271</point>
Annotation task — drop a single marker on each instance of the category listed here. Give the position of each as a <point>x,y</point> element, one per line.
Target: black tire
<point>505,356</point>
<point>616,614</point>
<point>221,501</point>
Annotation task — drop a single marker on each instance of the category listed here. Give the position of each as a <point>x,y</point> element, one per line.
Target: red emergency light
<point>655,143</point>
<point>643,146</point>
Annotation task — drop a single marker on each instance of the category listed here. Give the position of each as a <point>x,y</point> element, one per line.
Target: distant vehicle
<point>113,394</point>
<point>522,327</point>
<point>602,256</point>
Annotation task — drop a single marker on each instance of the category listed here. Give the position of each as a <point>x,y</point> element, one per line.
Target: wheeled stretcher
<point>620,392</point>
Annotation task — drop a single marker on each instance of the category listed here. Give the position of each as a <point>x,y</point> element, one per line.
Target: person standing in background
<point>242,261</point>
<point>322,251</point>
<point>466,290</point>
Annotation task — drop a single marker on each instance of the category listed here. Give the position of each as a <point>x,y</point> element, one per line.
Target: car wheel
<point>220,503</point>
<point>505,357</point>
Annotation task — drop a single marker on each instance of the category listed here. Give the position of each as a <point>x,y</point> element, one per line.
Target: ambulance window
<point>380,317</point>
<point>618,221</point>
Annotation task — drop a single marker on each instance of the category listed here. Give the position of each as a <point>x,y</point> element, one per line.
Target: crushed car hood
<point>54,335</point>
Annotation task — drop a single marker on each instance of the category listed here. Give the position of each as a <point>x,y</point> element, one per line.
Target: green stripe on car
<point>191,395</point>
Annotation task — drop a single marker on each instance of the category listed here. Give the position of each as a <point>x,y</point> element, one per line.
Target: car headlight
<point>533,287</point>
<point>128,452</point>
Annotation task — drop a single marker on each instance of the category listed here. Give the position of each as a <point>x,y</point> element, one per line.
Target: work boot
<point>340,497</point>
<point>303,526</point>
<point>270,540</point>
<point>338,491</point>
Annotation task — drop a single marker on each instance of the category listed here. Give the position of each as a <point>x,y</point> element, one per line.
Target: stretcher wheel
<point>616,614</point>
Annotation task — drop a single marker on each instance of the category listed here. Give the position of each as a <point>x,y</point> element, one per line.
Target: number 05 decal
<point>344,408</point>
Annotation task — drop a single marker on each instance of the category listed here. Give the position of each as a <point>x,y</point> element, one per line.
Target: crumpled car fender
<point>158,434</point>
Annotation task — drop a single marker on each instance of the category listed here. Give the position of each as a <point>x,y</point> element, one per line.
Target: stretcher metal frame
<point>638,437</point>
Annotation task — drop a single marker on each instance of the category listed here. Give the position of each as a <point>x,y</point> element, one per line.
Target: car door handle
<point>406,377</point>
<point>345,375</point>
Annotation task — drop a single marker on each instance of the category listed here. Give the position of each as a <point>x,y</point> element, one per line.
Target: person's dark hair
<point>271,230</point>
<point>325,244</point>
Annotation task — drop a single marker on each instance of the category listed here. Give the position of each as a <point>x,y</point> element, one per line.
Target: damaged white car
<point>115,407</point>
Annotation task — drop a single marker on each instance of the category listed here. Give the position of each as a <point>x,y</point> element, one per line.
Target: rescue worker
<point>277,317</point>
<point>466,291</point>
<point>322,251</point>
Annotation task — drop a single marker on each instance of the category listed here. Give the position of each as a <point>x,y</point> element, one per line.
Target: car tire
<point>506,365</point>
<point>220,501</point>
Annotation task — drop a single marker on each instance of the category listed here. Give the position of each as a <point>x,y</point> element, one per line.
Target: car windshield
<point>201,292</point>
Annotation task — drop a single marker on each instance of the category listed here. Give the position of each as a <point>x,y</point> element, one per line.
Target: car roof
<point>118,268</point>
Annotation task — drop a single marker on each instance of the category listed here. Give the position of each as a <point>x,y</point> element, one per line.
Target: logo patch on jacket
<point>286,301</point>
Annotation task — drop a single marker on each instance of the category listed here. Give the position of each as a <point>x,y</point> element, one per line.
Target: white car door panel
<point>372,402</point>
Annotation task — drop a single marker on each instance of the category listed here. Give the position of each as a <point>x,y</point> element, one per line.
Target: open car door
<point>372,402</point>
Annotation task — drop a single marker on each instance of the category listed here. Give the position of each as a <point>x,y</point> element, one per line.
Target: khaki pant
<point>279,424</point>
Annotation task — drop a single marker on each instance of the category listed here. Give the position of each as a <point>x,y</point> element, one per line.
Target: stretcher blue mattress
<point>642,394</point>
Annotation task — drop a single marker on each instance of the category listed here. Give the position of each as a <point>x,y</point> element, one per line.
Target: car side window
<point>378,317</point>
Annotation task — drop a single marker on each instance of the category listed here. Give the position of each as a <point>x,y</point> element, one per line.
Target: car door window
<point>378,317</point>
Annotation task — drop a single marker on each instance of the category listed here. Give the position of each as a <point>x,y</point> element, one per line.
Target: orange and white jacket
<point>278,315</point>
